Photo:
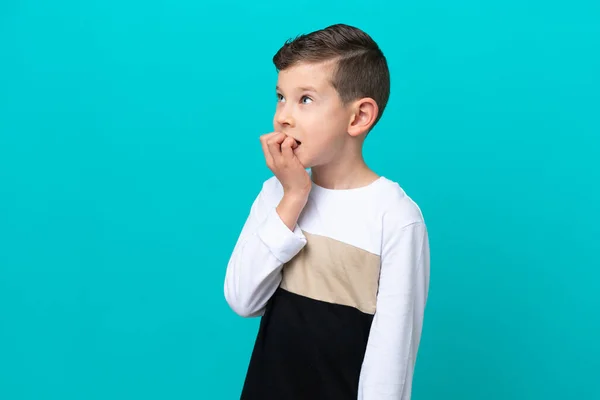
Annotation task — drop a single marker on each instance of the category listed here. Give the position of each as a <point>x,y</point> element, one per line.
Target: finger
<point>274,145</point>
<point>265,148</point>
<point>268,135</point>
<point>264,139</point>
<point>287,148</point>
<point>277,138</point>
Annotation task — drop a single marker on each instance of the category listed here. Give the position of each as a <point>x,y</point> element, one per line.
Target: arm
<point>264,245</point>
<point>389,362</point>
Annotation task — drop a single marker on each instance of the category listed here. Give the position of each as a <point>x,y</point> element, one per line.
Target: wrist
<point>290,207</point>
<point>295,197</point>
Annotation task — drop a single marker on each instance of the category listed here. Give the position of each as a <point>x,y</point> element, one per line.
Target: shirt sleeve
<point>389,361</point>
<point>264,245</point>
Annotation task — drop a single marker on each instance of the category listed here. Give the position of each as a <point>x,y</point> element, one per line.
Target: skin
<point>331,134</point>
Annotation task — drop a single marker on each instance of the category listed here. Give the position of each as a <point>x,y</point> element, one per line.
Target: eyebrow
<point>303,89</point>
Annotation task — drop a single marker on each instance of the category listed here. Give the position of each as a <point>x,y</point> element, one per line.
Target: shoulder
<point>398,208</point>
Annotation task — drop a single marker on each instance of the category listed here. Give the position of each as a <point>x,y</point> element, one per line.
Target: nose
<point>284,118</point>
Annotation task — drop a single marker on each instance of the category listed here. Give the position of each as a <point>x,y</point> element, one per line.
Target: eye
<point>306,98</point>
<point>280,98</point>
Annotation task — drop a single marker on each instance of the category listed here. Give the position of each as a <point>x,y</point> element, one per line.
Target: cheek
<point>324,146</point>
<point>324,132</point>
<point>322,125</point>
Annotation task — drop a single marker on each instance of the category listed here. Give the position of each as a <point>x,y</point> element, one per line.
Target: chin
<point>309,160</point>
<point>308,164</point>
<point>300,157</point>
<point>302,161</point>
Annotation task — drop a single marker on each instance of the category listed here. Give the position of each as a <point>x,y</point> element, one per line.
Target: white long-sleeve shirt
<point>341,296</point>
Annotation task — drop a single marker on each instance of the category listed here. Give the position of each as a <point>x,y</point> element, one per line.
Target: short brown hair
<point>361,68</point>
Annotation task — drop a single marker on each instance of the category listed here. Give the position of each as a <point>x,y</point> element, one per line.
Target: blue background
<point>129,158</point>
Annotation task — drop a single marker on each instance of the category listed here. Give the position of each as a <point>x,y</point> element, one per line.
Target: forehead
<point>317,75</point>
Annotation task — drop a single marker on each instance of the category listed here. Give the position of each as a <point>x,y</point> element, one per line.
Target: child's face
<point>310,110</point>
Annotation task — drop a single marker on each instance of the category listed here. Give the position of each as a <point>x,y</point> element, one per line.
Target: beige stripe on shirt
<point>335,272</point>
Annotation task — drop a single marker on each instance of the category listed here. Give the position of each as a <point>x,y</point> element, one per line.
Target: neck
<point>344,173</point>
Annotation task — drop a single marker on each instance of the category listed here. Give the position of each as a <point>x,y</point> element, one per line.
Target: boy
<point>336,262</point>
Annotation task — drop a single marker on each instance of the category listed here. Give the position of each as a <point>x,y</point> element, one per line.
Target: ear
<point>364,113</point>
